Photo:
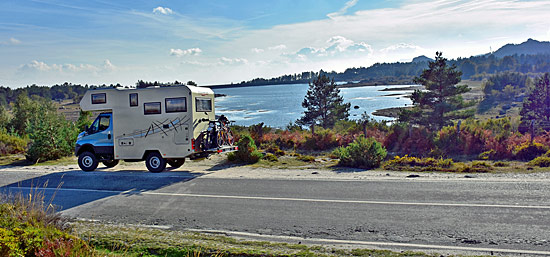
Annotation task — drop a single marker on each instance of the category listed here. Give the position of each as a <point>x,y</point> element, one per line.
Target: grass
<point>118,240</point>
<point>68,160</point>
<point>14,159</point>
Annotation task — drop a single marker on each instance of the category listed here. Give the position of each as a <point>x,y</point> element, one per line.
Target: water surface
<point>278,105</point>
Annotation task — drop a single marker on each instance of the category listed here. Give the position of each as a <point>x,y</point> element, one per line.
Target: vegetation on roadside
<point>30,227</point>
<point>143,241</point>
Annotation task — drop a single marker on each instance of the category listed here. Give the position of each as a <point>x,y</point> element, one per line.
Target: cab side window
<point>100,124</point>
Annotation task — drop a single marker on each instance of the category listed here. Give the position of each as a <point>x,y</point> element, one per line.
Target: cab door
<point>100,135</point>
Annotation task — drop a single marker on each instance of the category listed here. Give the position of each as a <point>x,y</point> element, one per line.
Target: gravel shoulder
<point>217,167</point>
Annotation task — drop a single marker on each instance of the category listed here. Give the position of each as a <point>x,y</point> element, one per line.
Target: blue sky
<point>99,41</point>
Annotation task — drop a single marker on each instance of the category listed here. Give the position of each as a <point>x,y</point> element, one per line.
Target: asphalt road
<point>506,217</point>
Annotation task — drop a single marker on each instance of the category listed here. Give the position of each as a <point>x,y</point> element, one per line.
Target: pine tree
<point>324,104</point>
<point>537,105</point>
<point>441,100</point>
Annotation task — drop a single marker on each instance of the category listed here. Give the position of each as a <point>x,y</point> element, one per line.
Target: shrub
<point>305,158</point>
<point>529,151</point>
<point>273,148</point>
<point>501,164</point>
<point>475,167</point>
<point>364,153</point>
<point>51,136</point>
<point>11,144</point>
<point>30,228</point>
<point>270,157</point>
<point>541,161</point>
<point>418,164</point>
<point>247,153</point>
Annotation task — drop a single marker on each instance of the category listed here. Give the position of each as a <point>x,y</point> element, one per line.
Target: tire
<point>155,163</point>
<point>110,164</point>
<point>87,161</point>
<point>229,138</point>
<point>220,139</point>
<point>176,163</point>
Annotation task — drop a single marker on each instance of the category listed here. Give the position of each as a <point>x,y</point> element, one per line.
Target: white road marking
<point>293,199</point>
<point>371,243</point>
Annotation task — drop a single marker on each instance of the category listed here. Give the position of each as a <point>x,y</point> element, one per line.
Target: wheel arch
<point>86,148</point>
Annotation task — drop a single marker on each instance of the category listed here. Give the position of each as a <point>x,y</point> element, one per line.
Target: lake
<point>278,105</point>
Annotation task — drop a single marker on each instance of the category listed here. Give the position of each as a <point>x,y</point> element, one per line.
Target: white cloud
<point>402,52</point>
<point>256,50</point>
<point>277,47</point>
<point>42,67</point>
<point>180,52</point>
<point>163,10</point>
<point>11,41</point>
<point>338,47</point>
<point>344,9</point>
<point>235,61</point>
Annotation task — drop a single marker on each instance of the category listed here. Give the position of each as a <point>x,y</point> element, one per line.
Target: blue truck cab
<point>96,144</point>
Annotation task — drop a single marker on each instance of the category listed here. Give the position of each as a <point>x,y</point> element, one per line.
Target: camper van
<point>157,124</point>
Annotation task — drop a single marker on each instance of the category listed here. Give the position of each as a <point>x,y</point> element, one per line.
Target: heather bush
<point>270,157</point>
<point>541,161</point>
<point>529,151</point>
<point>29,227</point>
<point>418,164</point>
<point>305,158</point>
<point>364,153</point>
<point>11,143</point>
<point>324,139</point>
<point>247,153</point>
<point>475,167</point>
<point>405,139</point>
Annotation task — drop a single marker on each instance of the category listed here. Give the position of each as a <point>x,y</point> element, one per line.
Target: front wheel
<point>87,161</point>
<point>110,164</point>
<point>176,163</point>
<point>155,163</point>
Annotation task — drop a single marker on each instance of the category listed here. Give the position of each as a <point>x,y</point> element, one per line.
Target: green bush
<point>11,144</point>
<point>51,136</point>
<point>529,151</point>
<point>418,164</point>
<point>364,153</point>
<point>475,167</point>
<point>541,161</point>
<point>305,158</point>
<point>247,153</point>
<point>30,228</point>
<point>501,164</point>
<point>271,157</point>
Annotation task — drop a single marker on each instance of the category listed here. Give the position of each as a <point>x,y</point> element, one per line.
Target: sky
<point>47,42</point>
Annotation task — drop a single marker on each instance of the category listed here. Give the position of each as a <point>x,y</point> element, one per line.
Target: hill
<point>529,47</point>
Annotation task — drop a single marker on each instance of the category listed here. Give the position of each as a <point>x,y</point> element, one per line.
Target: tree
<point>441,100</point>
<point>324,104</point>
<point>537,105</point>
<point>51,135</point>
<point>23,110</point>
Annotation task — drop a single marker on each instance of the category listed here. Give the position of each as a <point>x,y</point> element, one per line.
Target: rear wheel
<point>229,137</point>
<point>176,163</point>
<point>110,164</point>
<point>155,163</point>
<point>87,161</point>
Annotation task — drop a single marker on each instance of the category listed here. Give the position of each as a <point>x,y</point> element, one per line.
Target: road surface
<point>446,215</point>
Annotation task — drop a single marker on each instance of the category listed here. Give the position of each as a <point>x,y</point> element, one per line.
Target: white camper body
<point>160,120</point>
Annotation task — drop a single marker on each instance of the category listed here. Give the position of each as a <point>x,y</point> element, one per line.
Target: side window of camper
<point>133,99</point>
<point>178,104</point>
<point>151,108</point>
<point>99,98</point>
<point>203,104</point>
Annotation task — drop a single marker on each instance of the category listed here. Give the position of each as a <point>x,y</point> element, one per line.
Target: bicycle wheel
<point>229,138</point>
<point>220,137</point>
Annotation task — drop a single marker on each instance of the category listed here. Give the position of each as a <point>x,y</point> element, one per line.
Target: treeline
<point>475,68</point>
